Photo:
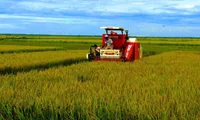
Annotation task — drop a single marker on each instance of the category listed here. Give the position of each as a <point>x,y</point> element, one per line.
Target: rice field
<point>146,90</point>
<point>18,48</point>
<point>63,85</point>
<point>24,61</point>
<point>195,42</point>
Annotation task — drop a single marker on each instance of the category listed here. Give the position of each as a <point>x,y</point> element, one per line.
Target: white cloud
<point>63,20</point>
<point>189,6</point>
<point>137,3</point>
<point>112,6</point>
<point>8,26</point>
<point>37,6</point>
<point>100,12</point>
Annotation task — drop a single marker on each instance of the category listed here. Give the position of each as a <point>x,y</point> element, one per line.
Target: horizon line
<point>28,34</point>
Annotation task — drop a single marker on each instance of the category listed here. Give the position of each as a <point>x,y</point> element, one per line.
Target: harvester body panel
<point>132,51</point>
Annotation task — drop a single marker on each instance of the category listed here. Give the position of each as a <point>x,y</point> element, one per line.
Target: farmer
<point>108,42</point>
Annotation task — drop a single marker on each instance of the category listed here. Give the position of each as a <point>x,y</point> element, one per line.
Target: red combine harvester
<point>124,48</point>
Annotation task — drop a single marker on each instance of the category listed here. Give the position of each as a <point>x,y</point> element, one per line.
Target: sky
<point>165,18</point>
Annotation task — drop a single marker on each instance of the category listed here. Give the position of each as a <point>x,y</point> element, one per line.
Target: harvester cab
<point>124,48</point>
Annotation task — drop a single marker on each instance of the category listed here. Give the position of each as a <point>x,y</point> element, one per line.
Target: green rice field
<point>48,77</point>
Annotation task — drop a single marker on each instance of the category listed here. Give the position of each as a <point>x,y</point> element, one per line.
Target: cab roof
<point>112,28</point>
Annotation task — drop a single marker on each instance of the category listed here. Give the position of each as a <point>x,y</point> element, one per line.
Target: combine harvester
<point>124,48</point>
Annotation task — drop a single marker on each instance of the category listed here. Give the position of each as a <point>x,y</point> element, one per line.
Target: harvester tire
<point>90,57</point>
<point>87,56</point>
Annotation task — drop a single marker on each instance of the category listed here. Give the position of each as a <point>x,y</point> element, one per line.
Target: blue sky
<point>172,18</point>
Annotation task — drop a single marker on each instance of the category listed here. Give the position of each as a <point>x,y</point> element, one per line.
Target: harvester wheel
<point>90,57</point>
<point>87,56</point>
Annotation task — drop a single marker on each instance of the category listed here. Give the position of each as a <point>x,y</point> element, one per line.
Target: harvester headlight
<point>116,52</point>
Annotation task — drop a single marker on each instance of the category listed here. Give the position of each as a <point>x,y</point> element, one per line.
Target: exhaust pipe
<point>126,34</point>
